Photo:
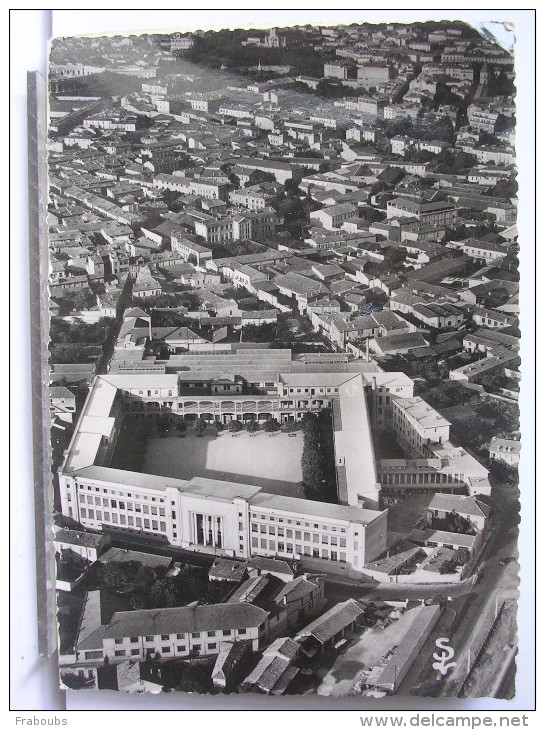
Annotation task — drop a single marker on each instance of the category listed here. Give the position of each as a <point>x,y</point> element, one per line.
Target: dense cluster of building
<point>372,222</point>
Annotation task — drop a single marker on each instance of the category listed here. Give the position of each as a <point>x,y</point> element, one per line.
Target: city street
<point>468,617</point>
<point>470,606</point>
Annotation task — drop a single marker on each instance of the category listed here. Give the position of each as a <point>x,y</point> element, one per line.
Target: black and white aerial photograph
<point>284,361</point>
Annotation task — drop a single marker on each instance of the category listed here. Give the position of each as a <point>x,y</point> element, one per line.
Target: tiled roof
<point>79,537</point>
<point>333,621</point>
<point>459,503</point>
<point>186,619</point>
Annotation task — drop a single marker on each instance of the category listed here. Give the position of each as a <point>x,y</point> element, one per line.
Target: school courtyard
<point>270,461</point>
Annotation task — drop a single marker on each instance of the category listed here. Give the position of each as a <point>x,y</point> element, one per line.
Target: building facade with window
<point>225,518</point>
<point>241,521</point>
<point>168,633</point>
<point>209,515</point>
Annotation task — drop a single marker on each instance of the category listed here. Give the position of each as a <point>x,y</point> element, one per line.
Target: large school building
<point>221,517</point>
<point>243,520</point>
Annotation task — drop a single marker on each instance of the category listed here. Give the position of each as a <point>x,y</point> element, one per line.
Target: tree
<point>181,425</point>
<point>311,467</point>
<point>494,382</point>
<point>291,426</point>
<point>504,188</point>
<point>162,594</point>
<point>234,426</point>
<point>252,426</point>
<point>161,300</point>
<point>190,300</point>
<point>506,415</point>
<point>144,578</point>
<point>68,354</point>
<point>162,425</point>
<point>190,584</point>
<point>503,86</point>
<point>276,333</point>
<point>138,600</point>
<point>74,681</point>
<point>505,473</point>
<point>455,161</point>
<point>83,300</point>
<point>199,426</point>
<point>271,425</point>
<point>118,577</point>
<point>453,522</point>
<point>318,457</point>
<point>217,591</point>
<point>194,678</point>
<point>460,557</point>
<point>309,422</point>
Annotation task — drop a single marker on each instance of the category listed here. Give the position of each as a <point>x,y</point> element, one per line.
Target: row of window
<point>290,549</point>
<point>167,649</point>
<point>114,518</point>
<point>180,649</point>
<point>318,391</point>
<point>89,488</point>
<point>168,637</point>
<point>315,525</point>
<point>148,392</point>
<point>422,478</point>
<point>118,504</point>
<point>299,535</point>
<point>406,427</point>
<point>299,523</point>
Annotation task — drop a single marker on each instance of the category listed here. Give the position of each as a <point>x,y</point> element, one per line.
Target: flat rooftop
<point>323,510</point>
<point>354,443</point>
<point>424,414</point>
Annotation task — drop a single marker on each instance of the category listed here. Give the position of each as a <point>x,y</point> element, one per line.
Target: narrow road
<point>475,611</point>
<point>505,687</point>
<point>108,350</point>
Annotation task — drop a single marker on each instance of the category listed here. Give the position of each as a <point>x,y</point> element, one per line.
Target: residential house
<point>442,538</point>
<point>361,327</point>
<point>165,632</point>
<point>507,450</point>
<point>177,339</point>
<point>146,285</point>
<point>224,569</point>
<point>79,546</point>
<point>492,318</point>
<point>190,250</point>
<point>470,508</point>
<point>62,403</point>
<point>397,344</point>
<point>230,664</point>
<point>300,288</point>
<point>480,250</point>
<point>334,216</point>
<point>275,670</point>
<point>400,144</point>
<point>437,213</point>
